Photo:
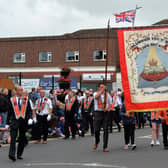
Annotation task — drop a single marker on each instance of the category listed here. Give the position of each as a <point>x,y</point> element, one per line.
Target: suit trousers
<point>18,128</point>
<point>42,126</point>
<point>101,120</point>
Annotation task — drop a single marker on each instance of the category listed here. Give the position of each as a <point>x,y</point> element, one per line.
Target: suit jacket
<point>73,111</point>
<point>11,118</point>
<point>91,107</point>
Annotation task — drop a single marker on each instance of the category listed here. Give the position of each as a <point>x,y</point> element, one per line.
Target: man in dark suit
<point>71,110</point>
<point>87,113</point>
<point>19,116</point>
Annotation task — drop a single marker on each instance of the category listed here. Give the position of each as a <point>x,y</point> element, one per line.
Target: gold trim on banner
<point>146,110</point>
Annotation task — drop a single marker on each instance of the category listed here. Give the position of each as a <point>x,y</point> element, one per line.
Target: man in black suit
<point>87,113</point>
<point>19,116</point>
<point>71,110</point>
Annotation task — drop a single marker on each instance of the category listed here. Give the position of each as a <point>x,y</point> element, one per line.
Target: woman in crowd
<point>156,121</point>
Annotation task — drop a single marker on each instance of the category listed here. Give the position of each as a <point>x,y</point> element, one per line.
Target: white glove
<point>49,117</point>
<point>7,127</point>
<point>35,120</point>
<point>30,121</point>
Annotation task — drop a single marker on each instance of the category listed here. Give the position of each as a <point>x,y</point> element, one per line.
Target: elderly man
<point>43,109</point>
<point>19,116</point>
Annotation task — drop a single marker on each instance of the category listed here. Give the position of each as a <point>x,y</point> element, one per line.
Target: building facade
<point>83,51</point>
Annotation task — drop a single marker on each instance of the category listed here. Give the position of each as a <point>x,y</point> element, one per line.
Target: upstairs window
<point>45,57</point>
<point>19,58</point>
<point>72,56</point>
<point>99,55</point>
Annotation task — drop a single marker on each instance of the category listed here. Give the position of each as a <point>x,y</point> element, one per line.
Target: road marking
<point>145,137</point>
<point>74,164</point>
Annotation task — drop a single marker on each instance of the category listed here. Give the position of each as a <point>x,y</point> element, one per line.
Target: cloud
<point>55,17</point>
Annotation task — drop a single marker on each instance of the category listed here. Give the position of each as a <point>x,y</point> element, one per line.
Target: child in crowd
<point>129,126</point>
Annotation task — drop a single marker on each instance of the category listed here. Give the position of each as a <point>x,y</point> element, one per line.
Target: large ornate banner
<point>144,68</point>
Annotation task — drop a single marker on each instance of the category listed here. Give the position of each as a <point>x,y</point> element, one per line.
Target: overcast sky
<point>56,17</point>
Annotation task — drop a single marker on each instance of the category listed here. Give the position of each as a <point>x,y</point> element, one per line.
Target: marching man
<point>19,117</point>
<point>87,113</point>
<point>71,110</point>
<point>101,115</point>
<point>43,108</point>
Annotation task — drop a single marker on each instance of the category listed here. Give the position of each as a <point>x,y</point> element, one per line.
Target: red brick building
<point>84,51</point>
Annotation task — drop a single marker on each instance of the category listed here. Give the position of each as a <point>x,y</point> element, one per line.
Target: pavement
<point>59,153</point>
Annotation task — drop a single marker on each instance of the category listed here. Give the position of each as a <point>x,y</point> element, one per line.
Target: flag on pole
<point>126,16</point>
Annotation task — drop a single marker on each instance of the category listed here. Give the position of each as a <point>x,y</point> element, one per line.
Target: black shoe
<point>12,158</point>
<point>19,157</point>
<point>166,147</point>
<point>73,137</point>
<point>82,134</point>
<point>133,147</point>
<point>119,129</point>
<point>66,138</point>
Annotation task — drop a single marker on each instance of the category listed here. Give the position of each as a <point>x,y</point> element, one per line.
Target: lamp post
<point>20,79</point>
<point>53,82</point>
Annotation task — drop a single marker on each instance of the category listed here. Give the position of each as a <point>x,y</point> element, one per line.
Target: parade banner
<point>144,68</point>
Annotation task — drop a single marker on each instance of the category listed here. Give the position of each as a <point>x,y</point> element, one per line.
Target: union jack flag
<point>127,16</point>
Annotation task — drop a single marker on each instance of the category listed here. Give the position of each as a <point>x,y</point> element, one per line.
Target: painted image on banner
<point>144,67</point>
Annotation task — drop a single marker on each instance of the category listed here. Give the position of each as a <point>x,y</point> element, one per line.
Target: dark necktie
<point>87,101</point>
<point>19,104</point>
<point>41,102</point>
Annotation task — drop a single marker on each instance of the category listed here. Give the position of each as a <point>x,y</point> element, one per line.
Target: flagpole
<point>133,23</point>
<point>107,55</point>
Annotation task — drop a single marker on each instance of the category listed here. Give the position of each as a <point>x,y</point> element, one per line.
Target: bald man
<point>43,110</point>
<point>19,116</point>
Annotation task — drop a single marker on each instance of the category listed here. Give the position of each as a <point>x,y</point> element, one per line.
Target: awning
<point>7,83</point>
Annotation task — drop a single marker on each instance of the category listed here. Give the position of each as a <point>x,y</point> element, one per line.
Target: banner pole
<point>107,55</point>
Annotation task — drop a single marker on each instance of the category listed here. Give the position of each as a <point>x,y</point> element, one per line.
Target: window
<point>72,56</point>
<point>19,58</point>
<point>99,55</point>
<point>45,57</point>
<point>15,79</point>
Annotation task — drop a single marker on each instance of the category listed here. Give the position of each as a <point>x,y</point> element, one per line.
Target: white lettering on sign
<point>95,76</point>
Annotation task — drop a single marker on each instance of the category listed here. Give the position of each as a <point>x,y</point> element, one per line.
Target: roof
<point>162,22</point>
<point>83,33</point>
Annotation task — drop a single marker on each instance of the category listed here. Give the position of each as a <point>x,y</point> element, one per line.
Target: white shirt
<point>31,104</point>
<point>17,98</point>
<point>109,101</point>
<point>47,106</point>
<point>21,99</point>
<point>118,101</point>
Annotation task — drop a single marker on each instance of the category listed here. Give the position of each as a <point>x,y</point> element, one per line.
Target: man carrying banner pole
<point>102,105</point>
<point>101,115</point>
